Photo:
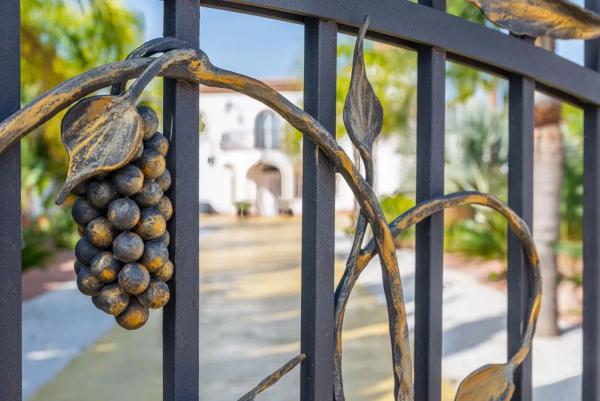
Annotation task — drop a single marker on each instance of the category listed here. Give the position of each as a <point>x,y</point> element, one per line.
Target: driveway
<point>250,320</point>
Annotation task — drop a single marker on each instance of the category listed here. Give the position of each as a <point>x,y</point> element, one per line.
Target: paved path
<point>62,329</point>
<point>475,332</point>
<point>249,327</point>
<point>57,326</point>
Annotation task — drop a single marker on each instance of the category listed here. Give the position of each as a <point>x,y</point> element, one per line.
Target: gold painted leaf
<point>488,383</point>
<point>559,19</point>
<point>363,114</point>
<point>101,134</point>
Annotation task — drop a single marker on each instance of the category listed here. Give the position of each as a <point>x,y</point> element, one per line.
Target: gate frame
<point>436,36</point>
<point>10,212</point>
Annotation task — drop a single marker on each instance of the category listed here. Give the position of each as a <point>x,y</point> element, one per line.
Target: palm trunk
<point>548,176</point>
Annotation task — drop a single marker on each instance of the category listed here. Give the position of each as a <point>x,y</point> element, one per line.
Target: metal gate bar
<point>429,235</point>
<point>591,233</point>
<point>181,125</point>
<point>10,210</point>
<point>520,198</point>
<point>435,35</point>
<point>318,219</point>
<point>409,24</point>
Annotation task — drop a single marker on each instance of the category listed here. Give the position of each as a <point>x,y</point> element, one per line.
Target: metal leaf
<point>363,114</point>
<point>150,48</point>
<point>489,383</point>
<point>559,19</point>
<point>101,134</point>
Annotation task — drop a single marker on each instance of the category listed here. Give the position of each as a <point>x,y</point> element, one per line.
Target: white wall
<point>223,172</point>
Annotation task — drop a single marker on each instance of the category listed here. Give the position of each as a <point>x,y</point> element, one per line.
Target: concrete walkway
<point>249,326</point>
<point>475,332</point>
<point>250,300</point>
<point>57,326</point>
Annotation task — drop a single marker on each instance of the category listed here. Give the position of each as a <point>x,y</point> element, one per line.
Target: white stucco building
<point>242,160</point>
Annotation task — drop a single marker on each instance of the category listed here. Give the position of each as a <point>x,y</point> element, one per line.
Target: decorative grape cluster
<point>122,257</point>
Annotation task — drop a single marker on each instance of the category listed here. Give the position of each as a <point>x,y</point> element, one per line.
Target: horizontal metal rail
<point>436,35</point>
<point>10,211</point>
<point>410,24</point>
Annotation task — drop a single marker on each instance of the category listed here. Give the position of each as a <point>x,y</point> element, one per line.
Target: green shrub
<point>484,235</point>
<point>59,40</point>
<point>393,206</point>
<point>47,234</point>
<point>478,160</point>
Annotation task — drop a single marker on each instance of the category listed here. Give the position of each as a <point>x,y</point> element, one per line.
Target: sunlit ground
<point>250,321</point>
<point>250,326</point>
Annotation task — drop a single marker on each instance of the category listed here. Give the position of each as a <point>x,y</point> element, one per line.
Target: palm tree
<point>60,39</point>
<point>548,163</point>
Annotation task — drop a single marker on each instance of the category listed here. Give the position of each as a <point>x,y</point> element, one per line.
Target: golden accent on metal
<point>560,19</point>
<point>113,205</point>
<point>156,295</point>
<point>111,299</point>
<point>134,316</point>
<point>273,378</point>
<point>362,116</point>
<point>101,134</point>
<point>500,388</point>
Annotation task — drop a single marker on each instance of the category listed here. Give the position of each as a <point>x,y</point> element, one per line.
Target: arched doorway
<point>267,130</point>
<point>268,188</point>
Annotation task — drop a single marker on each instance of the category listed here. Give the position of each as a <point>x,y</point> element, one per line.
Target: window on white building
<point>202,124</point>
<point>267,130</point>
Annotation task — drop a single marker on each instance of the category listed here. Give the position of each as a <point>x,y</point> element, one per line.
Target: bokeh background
<point>250,226</point>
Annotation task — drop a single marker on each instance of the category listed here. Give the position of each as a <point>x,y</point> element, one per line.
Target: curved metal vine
<point>560,19</point>
<point>362,115</point>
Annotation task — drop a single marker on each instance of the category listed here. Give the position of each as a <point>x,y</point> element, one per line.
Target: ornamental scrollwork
<point>117,169</point>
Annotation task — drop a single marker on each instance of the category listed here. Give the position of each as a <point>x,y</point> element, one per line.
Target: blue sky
<point>263,48</point>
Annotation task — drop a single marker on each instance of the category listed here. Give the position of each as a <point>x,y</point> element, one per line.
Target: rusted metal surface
<point>488,390</point>
<point>363,113</point>
<point>493,382</point>
<point>122,259</point>
<point>103,133</point>
<point>362,116</point>
<point>561,19</point>
<point>100,134</point>
<point>273,378</point>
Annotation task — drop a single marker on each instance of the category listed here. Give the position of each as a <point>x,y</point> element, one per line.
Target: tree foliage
<point>477,159</point>
<point>60,39</point>
<point>477,137</point>
<point>393,73</point>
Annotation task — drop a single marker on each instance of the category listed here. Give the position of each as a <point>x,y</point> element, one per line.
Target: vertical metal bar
<point>10,210</point>
<point>591,233</point>
<point>318,220</point>
<point>181,123</point>
<point>591,256</point>
<point>520,198</point>
<point>437,4</point>
<point>431,111</point>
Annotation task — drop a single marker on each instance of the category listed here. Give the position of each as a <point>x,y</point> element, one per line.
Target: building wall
<point>233,170</point>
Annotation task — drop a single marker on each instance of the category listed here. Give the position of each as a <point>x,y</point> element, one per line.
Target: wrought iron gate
<point>437,37</point>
